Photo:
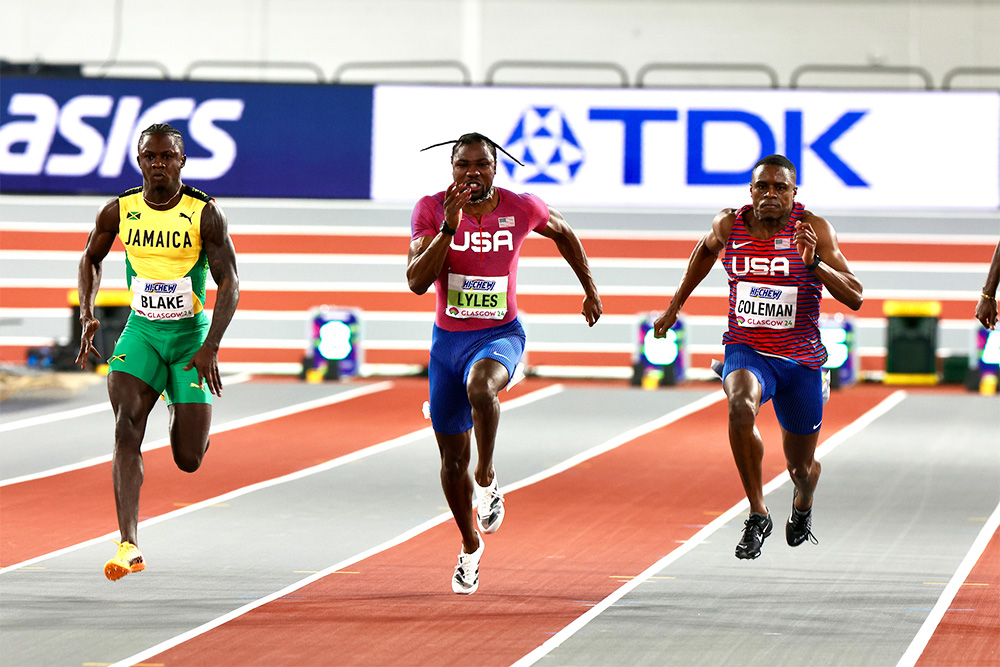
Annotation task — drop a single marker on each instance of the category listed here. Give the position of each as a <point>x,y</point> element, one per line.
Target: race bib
<point>163,299</point>
<point>765,306</point>
<point>479,297</point>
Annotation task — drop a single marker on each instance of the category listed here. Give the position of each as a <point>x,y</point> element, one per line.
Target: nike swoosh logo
<point>740,245</point>
<point>500,355</point>
<point>817,426</point>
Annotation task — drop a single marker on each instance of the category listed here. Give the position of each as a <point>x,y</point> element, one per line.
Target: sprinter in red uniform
<point>779,257</point>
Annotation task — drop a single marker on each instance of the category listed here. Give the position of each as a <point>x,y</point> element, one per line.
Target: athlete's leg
<point>486,379</point>
<point>744,392</point>
<point>132,400</point>
<point>189,427</point>
<point>803,467</point>
<point>455,449</point>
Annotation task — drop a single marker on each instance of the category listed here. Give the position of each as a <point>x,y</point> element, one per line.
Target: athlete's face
<point>160,161</point>
<point>772,192</point>
<point>474,165</point>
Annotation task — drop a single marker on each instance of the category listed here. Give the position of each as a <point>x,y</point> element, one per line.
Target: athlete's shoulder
<point>524,200</point>
<point>195,193</point>
<point>131,192</point>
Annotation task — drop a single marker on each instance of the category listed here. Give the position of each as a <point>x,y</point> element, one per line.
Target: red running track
<point>43,515</point>
<point>548,564</point>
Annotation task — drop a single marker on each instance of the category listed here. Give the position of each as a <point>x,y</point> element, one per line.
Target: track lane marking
<point>221,428</point>
<point>607,446</point>
<point>828,445</point>
<point>358,455</point>
<point>930,624</point>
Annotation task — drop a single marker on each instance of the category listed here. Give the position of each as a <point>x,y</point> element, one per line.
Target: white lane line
<point>427,525</point>
<point>221,428</point>
<point>88,410</point>
<point>828,445</point>
<point>926,631</point>
<point>520,401</point>
<point>55,417</point>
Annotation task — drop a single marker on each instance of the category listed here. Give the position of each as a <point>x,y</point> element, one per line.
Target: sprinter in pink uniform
<point>779,257</point>
<point>466,242</point>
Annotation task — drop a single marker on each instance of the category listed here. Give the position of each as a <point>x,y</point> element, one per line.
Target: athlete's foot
<point>128,560</point>
<point>466,578</point>
<point>798,528</point>
<point>755,529</point>
<point>490,511</point>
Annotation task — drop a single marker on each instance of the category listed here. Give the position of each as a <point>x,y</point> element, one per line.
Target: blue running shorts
<point>452,355</point>
<point>797,390</point>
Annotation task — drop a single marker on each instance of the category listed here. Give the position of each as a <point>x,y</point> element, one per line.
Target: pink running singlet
<point>773,298</point>
<point>478,284</point>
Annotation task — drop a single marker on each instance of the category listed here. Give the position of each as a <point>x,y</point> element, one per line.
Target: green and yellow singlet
<point>165,263</point>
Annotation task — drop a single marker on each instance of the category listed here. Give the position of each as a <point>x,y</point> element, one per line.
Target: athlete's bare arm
<point>222,264</point>
<point>99,243</point>
<point>703,258</point>
<point>428,253</point>
<point>815,236</point>
<point>572,251</point>
<point>986,308</point>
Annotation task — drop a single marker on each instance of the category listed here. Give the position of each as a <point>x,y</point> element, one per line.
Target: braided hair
<point>163,129</point>
<point>471,138</point>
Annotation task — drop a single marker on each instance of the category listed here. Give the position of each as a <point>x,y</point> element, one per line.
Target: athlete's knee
<point>481,396</point>
<point>453,468</point>
<point>189,459</point>
<point>742,413</point>
<point>129,430</point>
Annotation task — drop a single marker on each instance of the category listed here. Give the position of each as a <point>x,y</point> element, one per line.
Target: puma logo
<point>185,215</point>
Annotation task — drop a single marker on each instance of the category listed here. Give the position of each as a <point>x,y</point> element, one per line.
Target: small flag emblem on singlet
<point>782,244</point>
<point>506,222</point>
<point>132,215</point>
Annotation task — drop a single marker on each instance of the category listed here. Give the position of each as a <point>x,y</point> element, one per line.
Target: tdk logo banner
<point>256,140</point>
<point>695,148</point>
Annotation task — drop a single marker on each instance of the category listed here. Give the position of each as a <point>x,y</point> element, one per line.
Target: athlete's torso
<point>773,298</point>
<point>477,286</point>
<point>165,263</point>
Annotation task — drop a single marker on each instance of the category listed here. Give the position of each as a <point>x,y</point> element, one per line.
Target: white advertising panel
<point>696,148</point>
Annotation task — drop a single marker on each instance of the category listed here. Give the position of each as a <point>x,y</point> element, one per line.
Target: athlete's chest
<point>160,233</point>
<point>774,258</point>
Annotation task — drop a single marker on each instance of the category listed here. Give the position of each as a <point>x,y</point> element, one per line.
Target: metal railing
<point>767,71</point>
<point>418,71</point>
<point>949,78</point>
<point>244,65</point>
<point>410,65</point>
<point>563,65</point>
<point>864,70</point>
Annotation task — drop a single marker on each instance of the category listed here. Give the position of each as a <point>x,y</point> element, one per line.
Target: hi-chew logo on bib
<point>163,299</point>
<point>479,297</point>
<point>765,306</point>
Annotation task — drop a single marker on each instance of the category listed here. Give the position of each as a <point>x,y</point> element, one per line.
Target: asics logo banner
<point>480,285</point>
<point>27,144</point>
<point>765,293</point>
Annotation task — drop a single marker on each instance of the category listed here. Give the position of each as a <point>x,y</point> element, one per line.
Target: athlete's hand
<point>986,312</point>
<point>90,327</point>
<point>206,362</point>
<point>805,241</point>
<point>592,309</point>
<point>455,199</point>
<point>663,323</point>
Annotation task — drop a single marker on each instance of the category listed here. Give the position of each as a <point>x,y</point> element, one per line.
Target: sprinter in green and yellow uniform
<point>174,236</point>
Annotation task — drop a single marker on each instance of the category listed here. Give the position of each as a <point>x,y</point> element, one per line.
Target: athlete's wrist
<point>445,229</point>
<point>815,263</point>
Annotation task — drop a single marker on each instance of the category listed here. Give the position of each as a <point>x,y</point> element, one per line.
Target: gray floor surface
<point>900,505</point>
